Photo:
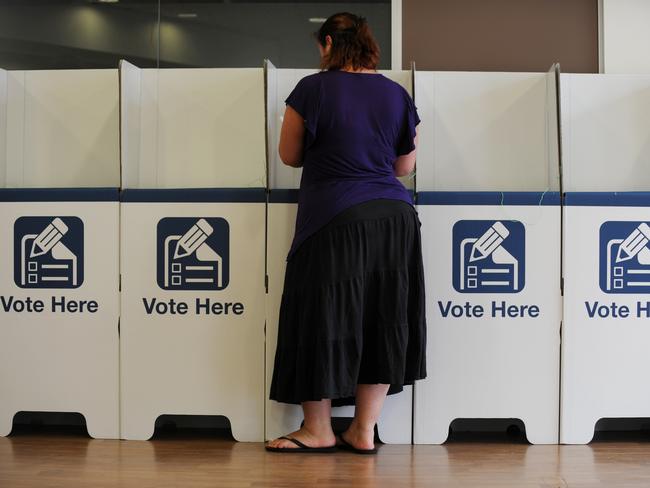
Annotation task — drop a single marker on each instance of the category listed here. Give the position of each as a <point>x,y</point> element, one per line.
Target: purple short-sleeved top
<point>356,125</point>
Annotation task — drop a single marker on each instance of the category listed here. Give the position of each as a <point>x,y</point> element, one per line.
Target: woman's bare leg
<point>317,429</point>
<point>369,402</point>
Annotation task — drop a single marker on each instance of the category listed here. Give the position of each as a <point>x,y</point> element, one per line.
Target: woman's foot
<point>358,437</point>
<point>324,438</point>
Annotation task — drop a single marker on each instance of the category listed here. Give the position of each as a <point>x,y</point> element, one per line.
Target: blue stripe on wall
<point>487,198</point>
<point>608,199</point>
<point>195,195</point>
<point>283,196</point>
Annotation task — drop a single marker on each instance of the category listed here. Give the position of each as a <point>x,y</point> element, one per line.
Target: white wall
<point>626,36</point>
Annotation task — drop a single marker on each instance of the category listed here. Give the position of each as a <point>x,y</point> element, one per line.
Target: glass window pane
<point>59,34</point>
<point>243,33</point>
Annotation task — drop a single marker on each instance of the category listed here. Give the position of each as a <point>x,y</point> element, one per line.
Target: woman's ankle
<point>318,429</point>
<point>363,428</point>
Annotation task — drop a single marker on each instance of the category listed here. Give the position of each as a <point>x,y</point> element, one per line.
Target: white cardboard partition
<point>489,205</point>
<point>62,129</point>
<point>486,131</point>
<point>59,292</point>
<point>193,128</point>
<point>605,127</point>
<point>279,83</point>
<point>606,147</point>
<point>186,349</point>
<point>394,425</point>
<point>192,259</point>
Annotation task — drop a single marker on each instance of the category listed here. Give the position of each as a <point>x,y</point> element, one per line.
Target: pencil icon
<point>636,241</point>
<point>489,241</point>
<point>47,239</point>
<point>192,239</point>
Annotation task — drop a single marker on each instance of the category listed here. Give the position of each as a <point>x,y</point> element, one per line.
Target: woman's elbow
<point>404,165</point>
<point>289,158</point>
<point>400,173</point>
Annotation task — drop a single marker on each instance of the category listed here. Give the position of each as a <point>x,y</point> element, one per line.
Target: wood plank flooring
<point>68,458</point>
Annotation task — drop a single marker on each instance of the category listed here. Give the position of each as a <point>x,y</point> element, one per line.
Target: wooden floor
<point>67,457</point>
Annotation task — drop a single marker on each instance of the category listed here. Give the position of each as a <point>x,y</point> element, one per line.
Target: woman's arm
<point>405,164</point>
<point>291,138</point>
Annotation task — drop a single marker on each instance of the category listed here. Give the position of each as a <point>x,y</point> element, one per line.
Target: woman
<point>352,318</point>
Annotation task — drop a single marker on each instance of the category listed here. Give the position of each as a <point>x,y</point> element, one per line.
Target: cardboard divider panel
<point>606,148</point>
<point>488,200</point>
<point>192,267</point>
<point>193,128</point>
<point>60,305</point>
<point>192,325</point>
<point>606,132</point>
<point>486,131</point>
<point>60,219</point>
<point>62,129</point>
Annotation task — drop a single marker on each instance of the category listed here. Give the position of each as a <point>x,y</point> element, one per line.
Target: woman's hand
<point>291,138</point>
<point>405,164</point>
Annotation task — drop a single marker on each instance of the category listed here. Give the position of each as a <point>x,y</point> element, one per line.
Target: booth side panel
<point>282,176</point>
<point>188,349</point>
<point>606,128</point>
<point>130,130</point>
<point>15,129</point>
<point>482,131</point>
<point>552,132</point>
<point>60,308</point>
<point>211,120</point>
<point>424,101</point>
<point>147,161</point>
<point>490,354</point>
<point>606,312</point>
<point>71,120</point>
<point>403,77</point>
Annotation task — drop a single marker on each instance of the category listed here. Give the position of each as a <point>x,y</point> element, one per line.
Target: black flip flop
<point>346,446</point>
<point>301,447</point>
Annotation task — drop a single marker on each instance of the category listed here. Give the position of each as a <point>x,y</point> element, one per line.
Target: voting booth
<point>394,425</point>
<point>606,149</point>
<point>488,200</point>
<point>59,215</point>
<point>192,247</point>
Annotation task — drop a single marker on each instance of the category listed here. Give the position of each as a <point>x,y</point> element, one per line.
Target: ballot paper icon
<point>193,253</point>
<point>48,252</point>
<point>488,256</point>
<point>624,257</point>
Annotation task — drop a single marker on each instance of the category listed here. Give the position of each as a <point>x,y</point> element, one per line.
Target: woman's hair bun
<point>353,45</point>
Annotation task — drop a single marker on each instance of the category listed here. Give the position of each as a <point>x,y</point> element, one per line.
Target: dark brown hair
<point>353,45</point>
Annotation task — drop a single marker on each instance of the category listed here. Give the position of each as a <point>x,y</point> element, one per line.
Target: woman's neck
<point>350,69</point>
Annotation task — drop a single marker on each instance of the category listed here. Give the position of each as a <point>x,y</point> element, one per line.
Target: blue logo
<point>48,252</point>
<point>624,257</point>
<point>489,256</point>
<point>193,253</point>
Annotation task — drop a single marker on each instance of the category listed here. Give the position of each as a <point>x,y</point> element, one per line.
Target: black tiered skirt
<point>353,307</point>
